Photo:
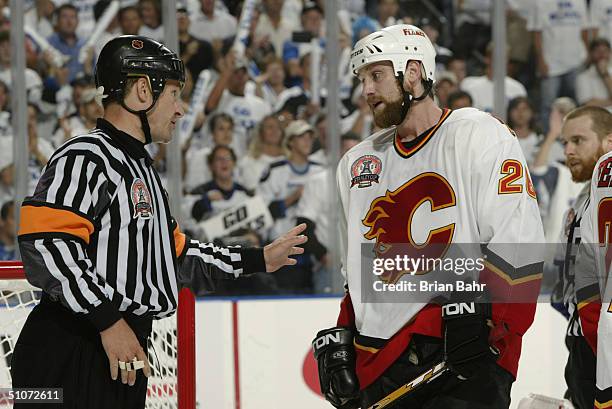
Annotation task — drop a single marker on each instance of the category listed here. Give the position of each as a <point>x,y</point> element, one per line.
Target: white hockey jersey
<point>596,239</point>
<point>463,181</point>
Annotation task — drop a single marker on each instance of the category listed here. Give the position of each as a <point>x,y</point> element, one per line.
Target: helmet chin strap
<point>144,122</point>
<point>408,99</point>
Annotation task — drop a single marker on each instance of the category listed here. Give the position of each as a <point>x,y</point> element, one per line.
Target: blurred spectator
<point>282,184</point>
<point>314,209</point>
<point>39,17</point>
<point>557,27</point>
<point>271,83</point>
<point>222,192</point>
<point>33,81</point>
<point>312,23</point>
<point>82,121</point>
<point>265,148</point>
<point>273,25</point>
<point>282,187</point>
<point>551,150</point>
<point>151,15</point>
<point>110,32</point>
<point>594,85</point>
<point>446,84</point>
<point>459,99</point>
<point>40,149</point>
<point>297,99</point>
<point>212,24</point>
<point>259,48</point>
<point>522,120</point>
<point>432,29</point>
<point>197,55</point>
<point>7,231</point>
<point>69,96</point>
<point>320,154</point>
<point>387,13</point>
<point>221,127</point>
<point>481,88</point>
<point>519,39</point>
<point>363,26</point>
<point>65,39</point>
<point>84,10</point>
<point>457,66</point>
<point>601,19</point>
<point>473,19</point>
<point>129,20</point>
<point>228,96</point>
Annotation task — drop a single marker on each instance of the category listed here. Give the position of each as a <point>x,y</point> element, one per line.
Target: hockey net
<point>171,349</point>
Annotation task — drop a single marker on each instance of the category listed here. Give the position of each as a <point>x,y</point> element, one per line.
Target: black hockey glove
<point>335,354</point>
<point>466,336</point>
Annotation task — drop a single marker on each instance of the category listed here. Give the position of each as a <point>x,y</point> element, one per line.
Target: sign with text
<point>251,214</point>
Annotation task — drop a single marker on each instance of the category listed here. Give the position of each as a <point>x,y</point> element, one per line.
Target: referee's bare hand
<point>120,344</point>
<point>276,254</point>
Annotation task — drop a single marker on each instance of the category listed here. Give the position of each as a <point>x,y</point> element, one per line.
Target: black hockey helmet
<point>137,56</point>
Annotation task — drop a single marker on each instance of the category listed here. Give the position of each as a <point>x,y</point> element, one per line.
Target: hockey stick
<point>421,380</point>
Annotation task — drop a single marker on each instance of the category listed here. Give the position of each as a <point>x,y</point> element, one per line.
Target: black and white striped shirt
<point>97,234</point>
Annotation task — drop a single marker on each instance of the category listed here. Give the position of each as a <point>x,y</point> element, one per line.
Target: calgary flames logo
<point>390,221</point>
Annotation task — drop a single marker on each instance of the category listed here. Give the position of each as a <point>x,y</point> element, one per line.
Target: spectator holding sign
<point>282,187</point>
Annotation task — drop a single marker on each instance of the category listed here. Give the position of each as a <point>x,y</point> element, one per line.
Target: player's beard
<point>390,115</point>
<point>585,170</point>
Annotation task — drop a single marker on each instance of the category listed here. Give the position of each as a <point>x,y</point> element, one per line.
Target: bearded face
<point>582,167</point>
<point>388,112</point>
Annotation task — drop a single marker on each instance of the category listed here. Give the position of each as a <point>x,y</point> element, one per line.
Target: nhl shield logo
<point>365,171</point>
<point>137,44</point>
<point>141,199</point>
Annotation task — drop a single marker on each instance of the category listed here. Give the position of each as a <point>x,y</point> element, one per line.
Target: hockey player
<point>465,176</point>
<point>584,136</point>
<point>596,239</point>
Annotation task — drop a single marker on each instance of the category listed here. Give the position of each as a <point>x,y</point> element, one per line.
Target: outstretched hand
<point>276,254</point>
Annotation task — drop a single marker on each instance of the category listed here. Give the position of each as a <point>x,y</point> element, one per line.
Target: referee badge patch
<point>141,199</point>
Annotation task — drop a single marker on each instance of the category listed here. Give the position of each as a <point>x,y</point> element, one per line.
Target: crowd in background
<point>262,130</point>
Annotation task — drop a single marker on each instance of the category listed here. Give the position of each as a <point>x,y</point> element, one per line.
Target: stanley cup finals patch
<point>141,199</point>
<point>365,171</point>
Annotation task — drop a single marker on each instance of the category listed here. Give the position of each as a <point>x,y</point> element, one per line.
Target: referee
<point>98,238</point>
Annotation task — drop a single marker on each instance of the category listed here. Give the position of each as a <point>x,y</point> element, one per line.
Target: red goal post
<point>171,347</point>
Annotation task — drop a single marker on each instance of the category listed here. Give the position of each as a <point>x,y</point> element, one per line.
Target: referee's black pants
<point>59,349</point>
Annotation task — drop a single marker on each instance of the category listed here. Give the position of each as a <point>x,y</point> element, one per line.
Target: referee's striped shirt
<point>97,234</point>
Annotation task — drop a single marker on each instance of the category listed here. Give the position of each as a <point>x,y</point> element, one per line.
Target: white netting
<point>17,298</point>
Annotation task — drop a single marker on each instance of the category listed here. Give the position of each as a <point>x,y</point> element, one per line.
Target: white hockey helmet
<point>398,44</point>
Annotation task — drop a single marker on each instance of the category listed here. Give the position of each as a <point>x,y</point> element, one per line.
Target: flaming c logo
<point>390,219</point>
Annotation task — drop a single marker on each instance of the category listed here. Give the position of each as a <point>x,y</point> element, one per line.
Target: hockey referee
<point>98,238</point>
